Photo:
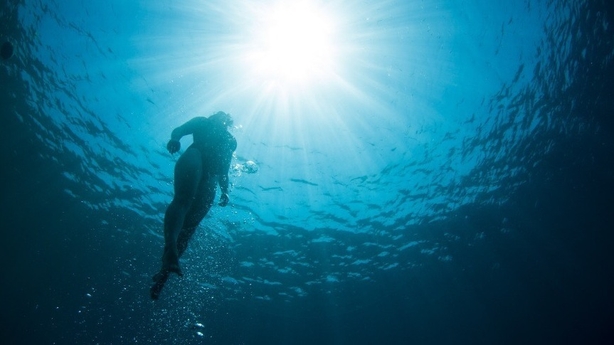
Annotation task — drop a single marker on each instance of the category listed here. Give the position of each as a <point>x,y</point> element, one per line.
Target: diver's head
<point>222,118</point>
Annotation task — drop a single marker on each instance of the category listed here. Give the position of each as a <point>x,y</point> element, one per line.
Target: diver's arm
<point>223,178</point>
<point>187,128</point>
<point>223,181</point>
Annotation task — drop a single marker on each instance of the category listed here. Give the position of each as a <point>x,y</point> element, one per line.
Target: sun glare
<point>292,43</point>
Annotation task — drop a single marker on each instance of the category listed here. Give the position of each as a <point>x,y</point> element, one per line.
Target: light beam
<point>292,43</point>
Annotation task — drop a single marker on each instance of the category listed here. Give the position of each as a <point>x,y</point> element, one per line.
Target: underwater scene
<point>307,172</point>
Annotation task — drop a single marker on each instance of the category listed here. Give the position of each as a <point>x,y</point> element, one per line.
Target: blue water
<point>447,179</point>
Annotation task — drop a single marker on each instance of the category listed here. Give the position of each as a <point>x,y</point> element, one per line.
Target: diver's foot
<point>170,263</point>
<point>160,276</point>
<point>155,290</point>
<point>174,268</point>
<point>159,280</point>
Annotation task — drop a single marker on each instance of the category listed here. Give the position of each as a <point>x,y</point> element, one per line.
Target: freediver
<point>198,171</point>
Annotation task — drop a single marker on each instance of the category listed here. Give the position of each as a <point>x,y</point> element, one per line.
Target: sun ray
<point>326,80</point>
<point>291,43</point>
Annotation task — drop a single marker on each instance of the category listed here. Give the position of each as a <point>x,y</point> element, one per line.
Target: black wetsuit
<point>216,146</point>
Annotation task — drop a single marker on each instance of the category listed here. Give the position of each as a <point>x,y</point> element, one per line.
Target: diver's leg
<point>202,201</point>
<point>199,209</point>
<point>188,173</point>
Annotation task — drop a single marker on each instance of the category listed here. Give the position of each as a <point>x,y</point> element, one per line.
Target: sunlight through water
<point>378,142</point>
<point>309,83</point>
<point>292,43</point>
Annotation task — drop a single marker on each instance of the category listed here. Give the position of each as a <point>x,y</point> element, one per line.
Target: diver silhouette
<point>197,172</point>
